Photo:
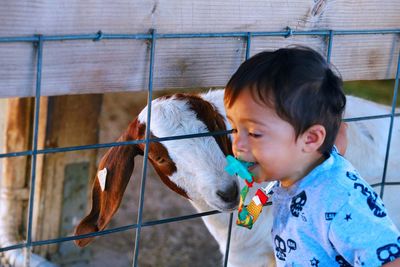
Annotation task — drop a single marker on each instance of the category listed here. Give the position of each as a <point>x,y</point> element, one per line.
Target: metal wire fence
<point>152,37</point>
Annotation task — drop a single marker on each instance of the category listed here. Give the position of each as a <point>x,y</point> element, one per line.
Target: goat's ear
<point>116,167</point>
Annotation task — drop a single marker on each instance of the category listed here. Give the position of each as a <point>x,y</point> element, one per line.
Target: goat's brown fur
<point>119,162</point>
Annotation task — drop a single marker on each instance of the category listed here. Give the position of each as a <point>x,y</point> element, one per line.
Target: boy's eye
<point>255,135</point>
<point>234,131</point>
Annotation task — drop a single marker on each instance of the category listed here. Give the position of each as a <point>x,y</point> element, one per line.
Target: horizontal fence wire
<point>147,36</point>
<point>38,41</point>
<point>112,230</point>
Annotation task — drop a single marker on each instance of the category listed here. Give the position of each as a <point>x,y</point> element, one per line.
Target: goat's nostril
<point>230,194</point>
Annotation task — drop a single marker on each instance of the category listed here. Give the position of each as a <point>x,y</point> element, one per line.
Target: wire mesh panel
<point>246,44</point>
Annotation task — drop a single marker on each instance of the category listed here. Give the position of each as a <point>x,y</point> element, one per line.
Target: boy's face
<point>262,137</point>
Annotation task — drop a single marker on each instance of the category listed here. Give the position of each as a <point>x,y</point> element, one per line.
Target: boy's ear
<point>313,138</point>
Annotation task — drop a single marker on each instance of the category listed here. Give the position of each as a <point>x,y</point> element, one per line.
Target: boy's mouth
<point>251,166</point>
<point>248,164</point>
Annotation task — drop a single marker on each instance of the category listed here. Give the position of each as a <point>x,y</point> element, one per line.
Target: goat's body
<point>368,140</point>
<point>194,168</point>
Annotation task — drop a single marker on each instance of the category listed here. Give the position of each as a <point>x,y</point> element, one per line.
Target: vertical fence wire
<point>228,243</point>
<point>28,248</point>
<point>146,149</point>
<point>392,115</point>
<point>330,44</point>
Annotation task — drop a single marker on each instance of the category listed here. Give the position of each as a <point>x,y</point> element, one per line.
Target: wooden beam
<point>24,17</point>
<point>77,67</point>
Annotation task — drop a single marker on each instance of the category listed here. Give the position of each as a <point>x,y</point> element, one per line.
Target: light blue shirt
<point>332,217</point>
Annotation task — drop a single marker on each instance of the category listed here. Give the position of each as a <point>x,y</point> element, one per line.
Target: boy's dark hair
<point>298,83</point>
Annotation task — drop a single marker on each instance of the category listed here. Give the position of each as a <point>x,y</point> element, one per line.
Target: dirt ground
<point>185,243</point>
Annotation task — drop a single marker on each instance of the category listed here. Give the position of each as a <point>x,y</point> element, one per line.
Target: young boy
<point>285,108</point>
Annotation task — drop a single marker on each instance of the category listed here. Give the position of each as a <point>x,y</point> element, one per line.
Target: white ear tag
<point>102,176</point>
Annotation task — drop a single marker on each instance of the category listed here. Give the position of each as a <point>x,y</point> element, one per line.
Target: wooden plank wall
<point>76,67</point>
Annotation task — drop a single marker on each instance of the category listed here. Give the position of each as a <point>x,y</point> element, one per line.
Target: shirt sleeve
<point>362,232</point>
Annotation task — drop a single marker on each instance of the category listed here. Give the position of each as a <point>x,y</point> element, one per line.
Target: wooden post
<point>15,171</point>
<point>63,178</point>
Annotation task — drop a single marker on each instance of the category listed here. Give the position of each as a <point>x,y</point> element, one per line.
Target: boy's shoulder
<point>329,186</point>
<point>339,170</point>
<point>335,202</point>
<point>341,185</point>
<point>361,229</point>
<point>335,172</point>
<point>335,181</point>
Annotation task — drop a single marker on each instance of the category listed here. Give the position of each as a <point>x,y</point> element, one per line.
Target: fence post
<point>62,179</point>
<point>14,179</point>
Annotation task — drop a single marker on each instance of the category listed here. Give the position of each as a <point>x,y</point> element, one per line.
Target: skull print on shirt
<point>283,247</point>
<point>298,203</point>
<point>388,253</point>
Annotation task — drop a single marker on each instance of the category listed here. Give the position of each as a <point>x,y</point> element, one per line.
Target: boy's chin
<point>255,172</point>
<point>261,178</point>
<point>259,181</point>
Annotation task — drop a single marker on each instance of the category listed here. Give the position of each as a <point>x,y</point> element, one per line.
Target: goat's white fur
<point>200,168</point>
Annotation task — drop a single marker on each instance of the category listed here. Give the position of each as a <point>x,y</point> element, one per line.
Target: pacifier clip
<point>248,215</point>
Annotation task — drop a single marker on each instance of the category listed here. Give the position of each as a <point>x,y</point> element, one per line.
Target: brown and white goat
<point>194,168</point>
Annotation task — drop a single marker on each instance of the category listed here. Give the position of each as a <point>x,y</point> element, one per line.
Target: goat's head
<point>193,168</point>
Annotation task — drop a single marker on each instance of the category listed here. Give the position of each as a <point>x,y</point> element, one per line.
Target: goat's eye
<point>160,160</point>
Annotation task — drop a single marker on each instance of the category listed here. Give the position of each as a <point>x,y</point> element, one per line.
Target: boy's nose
<point>239,146</point>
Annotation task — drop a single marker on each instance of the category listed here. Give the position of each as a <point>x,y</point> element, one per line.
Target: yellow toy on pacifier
<point>248,215</point>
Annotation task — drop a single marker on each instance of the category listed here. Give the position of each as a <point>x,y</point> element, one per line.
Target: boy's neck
<point>309,165</point>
